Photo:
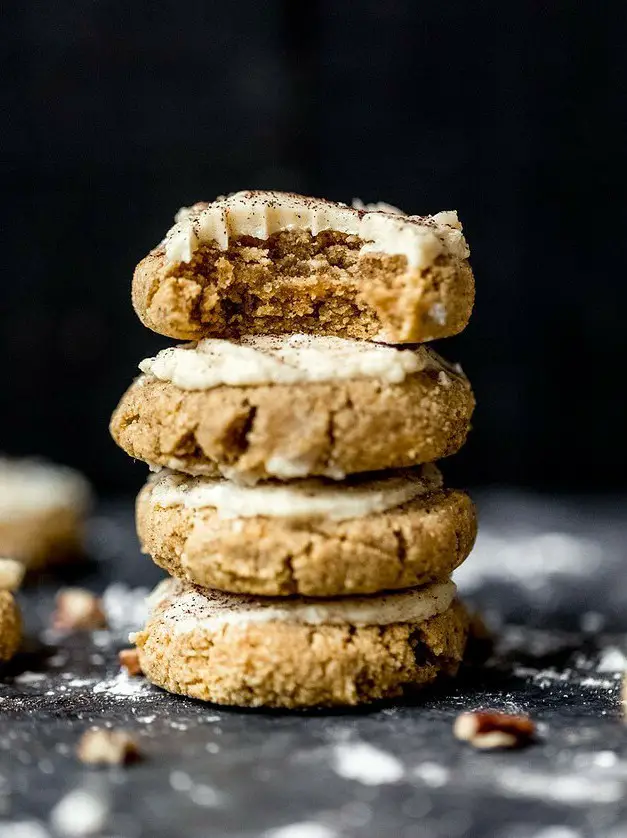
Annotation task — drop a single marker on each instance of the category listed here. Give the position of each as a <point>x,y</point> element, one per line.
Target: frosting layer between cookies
<point>313,498</point>
<point>261,214</point>
<point>289,359</point>
<point>30,486</point>
<point>187,608</point>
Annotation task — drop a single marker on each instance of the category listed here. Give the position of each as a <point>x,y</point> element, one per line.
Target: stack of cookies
<point>295,502</point>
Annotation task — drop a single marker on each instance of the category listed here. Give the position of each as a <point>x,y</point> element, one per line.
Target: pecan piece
<point>129,660</point>
<point>487,729</point>
<point>76,609</point>
<point>107,747</point>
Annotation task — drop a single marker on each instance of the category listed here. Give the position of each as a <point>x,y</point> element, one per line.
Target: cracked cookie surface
<point>291,664</point>
<point>414,543</point>
<point>295,430</point>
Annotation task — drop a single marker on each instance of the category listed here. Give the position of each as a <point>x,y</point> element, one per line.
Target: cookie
<point>250,652</point>
<point>293,406</point>
<point>10,625</point>
<point>311,537</point>
<point>275,263</point>
<point>42,507</point>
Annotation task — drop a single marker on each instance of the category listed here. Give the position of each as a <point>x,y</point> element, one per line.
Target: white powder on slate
<point>527,559</point>
<point>605,759</point>
<point>306,829</point>
<point>180,781</point>
<point>431,774</point>
<point>366,764</point>
<point>125,607</point>
<point>550,677</point>
<point>543,832</point>
<point>204,795</point>
<point>123,686</point>
<point>571,789</point>
<point>23,829</point>
<point>27,678</point>
<point>612,660</point>
<point>80,813</point>
<point>199,793</point>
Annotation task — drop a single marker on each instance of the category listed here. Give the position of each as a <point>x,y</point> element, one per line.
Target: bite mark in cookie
<point>273,262</point>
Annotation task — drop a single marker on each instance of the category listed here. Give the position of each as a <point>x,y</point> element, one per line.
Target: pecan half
<point>487,729</point>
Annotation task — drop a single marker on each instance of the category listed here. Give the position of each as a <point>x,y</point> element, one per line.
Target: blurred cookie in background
<point>42,512</point>
<point>11,574</point>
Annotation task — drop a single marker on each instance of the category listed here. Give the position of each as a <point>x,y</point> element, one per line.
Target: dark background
<point>117,113</point>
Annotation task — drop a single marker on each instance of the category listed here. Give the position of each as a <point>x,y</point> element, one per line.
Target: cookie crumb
<point>490,729</point>
<point>129,661</point>
<point>107,747</point>
<point>11,574</point>
<point>77,608</point>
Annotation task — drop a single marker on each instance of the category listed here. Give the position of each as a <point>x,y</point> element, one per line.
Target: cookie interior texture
<point>292,665</point>
<point>414,543</point>
<point>295,280</point>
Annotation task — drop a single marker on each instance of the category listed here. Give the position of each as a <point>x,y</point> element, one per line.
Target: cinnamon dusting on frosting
<point>189,608</point>
<point>420,239</point>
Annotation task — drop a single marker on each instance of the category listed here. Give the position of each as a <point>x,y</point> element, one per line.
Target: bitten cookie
<point>275,262</point>
<point>10,625</point>
<point>251,652</point>
<point>312,537</point>
<point>42,507</point>
<point>293,407</point>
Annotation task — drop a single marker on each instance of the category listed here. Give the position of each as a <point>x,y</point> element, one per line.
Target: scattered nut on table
<point>129,660</point>
<point>487,729</point>
<point>107,747</point>
<point>11,574</point>
<point>77,608</point>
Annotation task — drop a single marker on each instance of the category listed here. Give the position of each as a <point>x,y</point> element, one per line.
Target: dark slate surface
<point>549,576</point>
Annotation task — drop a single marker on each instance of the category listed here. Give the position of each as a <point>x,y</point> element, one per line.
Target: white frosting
<point>377,206</point>
<point>178,464</point>
<point>188,608</point>
<point>284,468</point>
<point>312,498</point>
<point>289,468</point>
<point>289,359</point>
<point>30,486</point>
<point>261,214</point>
